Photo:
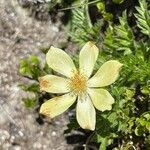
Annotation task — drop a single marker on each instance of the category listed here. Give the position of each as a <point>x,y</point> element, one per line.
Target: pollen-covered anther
<point>78,83</point>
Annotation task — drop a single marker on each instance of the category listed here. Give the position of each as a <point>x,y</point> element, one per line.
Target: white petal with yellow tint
<point>87,58</point>
<point>85,113</point>
<point>106,75</point>
<point>101,99</point>
<point>60,62</point>
<point>57,105</point>
<point>54,84</point>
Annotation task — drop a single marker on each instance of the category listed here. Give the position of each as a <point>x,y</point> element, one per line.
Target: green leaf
<point>108,16</point>
<point>80,31</point>
<point>46,69</point>
<point>30,102</point>
<point>139,131</point>
<point>71,126</point>
<point>148,126</point>
<point>143,17</point>
<point>103,144</point>
<point>119,38</point>
<point>34,60</point>
<point>30,88</point>
<point>113,119</point>
<point>118,1</point>
<point>24,68</point>
<point>101,6</point>
<point>44,49</point>
<point>130,93</point>
<point>31,67</point>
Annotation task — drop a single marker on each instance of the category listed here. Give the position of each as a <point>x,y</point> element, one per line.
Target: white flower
<point>78,84</point>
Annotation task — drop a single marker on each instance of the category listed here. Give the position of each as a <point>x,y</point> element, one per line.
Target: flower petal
<point>57,105</point>
<point>101,99</point>
<point>106,75</point>
<point>54,84</point>
<point>86,113</point>
<point>60,61</point>
<point>87,58</point>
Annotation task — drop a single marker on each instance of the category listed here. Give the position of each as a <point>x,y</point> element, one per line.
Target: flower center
<point>78,83</point>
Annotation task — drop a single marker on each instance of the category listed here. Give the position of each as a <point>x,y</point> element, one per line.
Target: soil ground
<point>20,36</point>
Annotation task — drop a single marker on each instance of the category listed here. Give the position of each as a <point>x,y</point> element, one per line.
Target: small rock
<point>16,147</point>
<point>53,133</point>
<point>37,145</point>
<point>4,135</point>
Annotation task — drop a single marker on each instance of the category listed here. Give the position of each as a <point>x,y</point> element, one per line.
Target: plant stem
<point>88,141</point>
<point>87,13</point>
<point>79,5</point>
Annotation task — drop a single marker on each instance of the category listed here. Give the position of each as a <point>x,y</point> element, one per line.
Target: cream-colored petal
<point>87,58</point>
<point>101,99</point>
<point>106,75</point>
<point>85,113</point>
<point>60,62</point>
<point>54,84</point>
<point>57,105</point>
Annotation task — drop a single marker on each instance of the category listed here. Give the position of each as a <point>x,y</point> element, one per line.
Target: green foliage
<point>143,124</point>
<point>120,37</point>
<point>71,126</point>
<point>132,90</point>
<point>136,69</point>
<point>31,69</point>
<point>118,1</point>
<point>30,102</point>
<point>30,88</point>
<point>101,8</point>
<point>143,17</point>
<point>80,30</point>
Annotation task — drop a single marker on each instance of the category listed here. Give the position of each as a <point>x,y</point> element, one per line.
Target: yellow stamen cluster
<point>78,84</point>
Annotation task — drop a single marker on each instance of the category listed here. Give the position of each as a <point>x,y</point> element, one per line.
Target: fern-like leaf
<point>143,17</point>
<point>81,32</point>
<point>120,37</point>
